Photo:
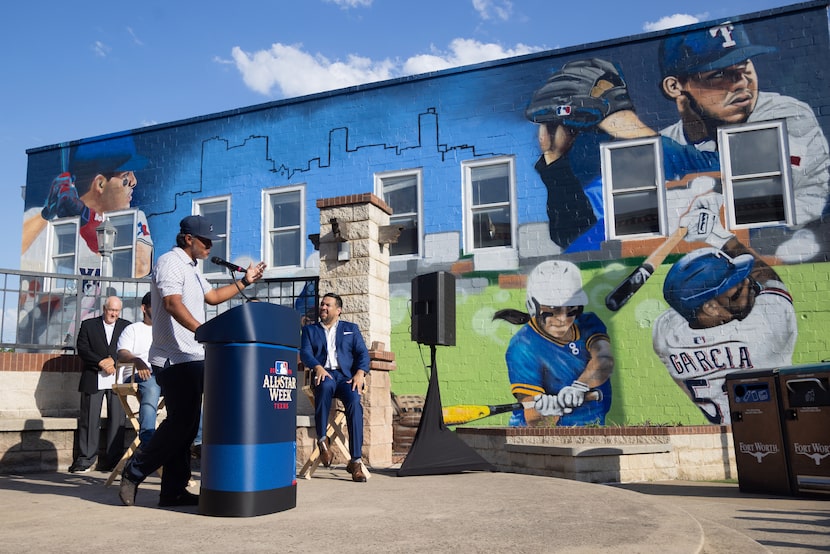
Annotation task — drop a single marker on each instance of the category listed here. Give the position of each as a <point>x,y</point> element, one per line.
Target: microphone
<point>233,267</point>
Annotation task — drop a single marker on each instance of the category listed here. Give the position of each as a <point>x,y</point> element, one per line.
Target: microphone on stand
<point>233,267</point>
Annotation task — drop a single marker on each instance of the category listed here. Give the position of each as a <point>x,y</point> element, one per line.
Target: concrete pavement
<point>471,512</point>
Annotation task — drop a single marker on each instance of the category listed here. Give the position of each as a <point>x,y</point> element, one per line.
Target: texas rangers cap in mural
<point>106,156</point>
<point>707,49</point>
<point>701,275</point>
<point>198,226</point>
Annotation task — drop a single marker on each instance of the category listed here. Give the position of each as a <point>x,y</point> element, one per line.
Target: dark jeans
<point>181,386</point>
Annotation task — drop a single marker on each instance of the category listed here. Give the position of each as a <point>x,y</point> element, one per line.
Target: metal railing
<point>42,312</point>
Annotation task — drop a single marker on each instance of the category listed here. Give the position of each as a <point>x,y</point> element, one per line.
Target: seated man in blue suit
<point>334,351</point>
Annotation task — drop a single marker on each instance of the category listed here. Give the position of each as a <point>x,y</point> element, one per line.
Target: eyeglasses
<point>559,311</point>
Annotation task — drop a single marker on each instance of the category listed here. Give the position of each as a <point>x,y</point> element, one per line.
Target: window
<point>755,166</point>
<point>285,221</point>
<point>489,204</point>
<point>217,211</point>
<point>64,247</point>
<point>124,250</point>
<point>633,189</point>
<point>402,192</point>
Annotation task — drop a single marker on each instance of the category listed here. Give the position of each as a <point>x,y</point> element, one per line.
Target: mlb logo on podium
<point>281,368</point>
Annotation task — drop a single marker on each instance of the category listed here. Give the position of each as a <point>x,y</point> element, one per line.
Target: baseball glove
<point>580,95</point>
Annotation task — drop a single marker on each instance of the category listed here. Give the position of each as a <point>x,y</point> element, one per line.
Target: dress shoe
<point>326,455</point>
<point>186,498</point>
<point>127,491</point>
<point>78,468</point>
<point>355,467</point>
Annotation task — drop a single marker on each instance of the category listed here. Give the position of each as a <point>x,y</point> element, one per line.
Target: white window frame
<point>72,222</point>
<point>268,225</point>
<point>198,206</point>
<point>469,210</point>
<point>132,246</point>
<point>729,179</point>
<point>418,173</point>
<point>608,193</point>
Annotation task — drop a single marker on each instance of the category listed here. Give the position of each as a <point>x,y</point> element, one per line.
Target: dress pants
<point>339,387</point>
<point>169,448</point>
<point>89,431</point>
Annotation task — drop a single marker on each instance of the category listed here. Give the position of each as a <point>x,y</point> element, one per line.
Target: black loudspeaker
<point>433,309</point>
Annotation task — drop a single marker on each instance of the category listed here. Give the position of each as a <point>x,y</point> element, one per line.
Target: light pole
<point>106,242</point>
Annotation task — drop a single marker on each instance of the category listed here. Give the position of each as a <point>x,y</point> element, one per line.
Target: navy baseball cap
<point>707,49</point>
<point>702,275</point>
<point>198,226</point>
<point>115,155</point>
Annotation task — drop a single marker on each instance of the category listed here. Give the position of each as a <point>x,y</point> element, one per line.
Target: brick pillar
<point>361,278</point>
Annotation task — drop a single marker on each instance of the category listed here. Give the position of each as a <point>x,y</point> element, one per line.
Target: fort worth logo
<point>758,450</point>
<point>815,451</point>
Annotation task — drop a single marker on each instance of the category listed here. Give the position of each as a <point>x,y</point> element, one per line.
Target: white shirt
<point>331,348</point>
<point>176,273</point>
<point>137,338</point>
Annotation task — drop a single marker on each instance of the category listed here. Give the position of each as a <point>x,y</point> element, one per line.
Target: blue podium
<point>249,445</point>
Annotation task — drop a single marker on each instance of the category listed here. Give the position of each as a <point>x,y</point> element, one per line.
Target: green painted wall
<point>474,371</point>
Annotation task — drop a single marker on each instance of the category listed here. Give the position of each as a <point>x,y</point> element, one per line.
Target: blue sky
<point>80,69</point>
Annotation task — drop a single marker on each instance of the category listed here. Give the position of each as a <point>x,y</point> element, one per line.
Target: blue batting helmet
<point>702,275</point>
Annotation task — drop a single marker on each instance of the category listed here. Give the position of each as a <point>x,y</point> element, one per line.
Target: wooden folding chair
<point>124,392</point>
<point>335,431</point>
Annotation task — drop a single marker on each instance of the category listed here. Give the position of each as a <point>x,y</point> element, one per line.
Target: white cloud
<point>346,4</point>
<point>676,20</point>
<point>295,72</point>
<point>136,40</point>
<point>101,50</point>
<point>488,9</point>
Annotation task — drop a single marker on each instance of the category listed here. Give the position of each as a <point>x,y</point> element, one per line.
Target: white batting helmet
<point>554,283</point>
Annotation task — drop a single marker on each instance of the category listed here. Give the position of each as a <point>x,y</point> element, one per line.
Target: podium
<point>249,441</point>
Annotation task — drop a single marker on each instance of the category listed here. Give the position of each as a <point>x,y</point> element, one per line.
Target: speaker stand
<point>437,450</point>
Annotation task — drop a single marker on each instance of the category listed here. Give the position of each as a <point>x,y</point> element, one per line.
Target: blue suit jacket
<point>352,353</point>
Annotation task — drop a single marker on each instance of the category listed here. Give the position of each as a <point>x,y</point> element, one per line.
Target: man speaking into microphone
<point>179,292</point>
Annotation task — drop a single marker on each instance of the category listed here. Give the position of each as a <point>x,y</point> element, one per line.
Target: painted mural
<point>523,177</point>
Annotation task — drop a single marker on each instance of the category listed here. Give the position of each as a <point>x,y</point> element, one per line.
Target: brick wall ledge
<point>9,424</point>
<point>591,450</point>
<point>611,431</point>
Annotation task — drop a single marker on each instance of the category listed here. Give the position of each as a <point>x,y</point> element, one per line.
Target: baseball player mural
<point>98,177</point>
<point>729,312</point>
<point>559,363</point>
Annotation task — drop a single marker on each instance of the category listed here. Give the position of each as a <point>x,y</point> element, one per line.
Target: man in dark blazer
<point>334,351</point>
<point>97,346</point>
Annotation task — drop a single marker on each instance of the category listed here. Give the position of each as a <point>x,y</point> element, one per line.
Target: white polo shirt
<point>176,273</point>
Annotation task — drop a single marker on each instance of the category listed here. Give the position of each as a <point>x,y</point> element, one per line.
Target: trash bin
<point>805,395</point>
<point>249,430</point>
<point>760,454</point>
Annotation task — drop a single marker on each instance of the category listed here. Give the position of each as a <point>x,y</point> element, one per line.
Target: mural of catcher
<point>560,361</point>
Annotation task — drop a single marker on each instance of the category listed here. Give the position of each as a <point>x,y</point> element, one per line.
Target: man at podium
<point>179,292</point>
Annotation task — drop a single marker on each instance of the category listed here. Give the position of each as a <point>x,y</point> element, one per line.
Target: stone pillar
<point>355,265</point>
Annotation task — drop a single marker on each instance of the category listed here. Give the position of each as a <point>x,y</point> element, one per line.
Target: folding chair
<point>124,392</point>
<point>335,431</point>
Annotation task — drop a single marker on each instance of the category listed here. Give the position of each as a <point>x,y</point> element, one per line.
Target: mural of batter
<point>100,178</point>
<point>730,312</point>
<point>560,360</point>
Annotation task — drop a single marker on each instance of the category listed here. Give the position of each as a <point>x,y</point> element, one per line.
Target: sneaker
<point>127,491</point>
<point>78,468</point>
<point>186,498</point>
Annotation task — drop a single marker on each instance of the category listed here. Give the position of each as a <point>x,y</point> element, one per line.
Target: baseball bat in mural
<point>465,413</point>
<point>623,292</point>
